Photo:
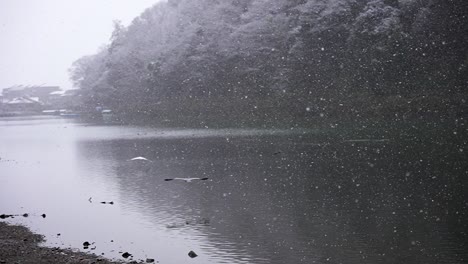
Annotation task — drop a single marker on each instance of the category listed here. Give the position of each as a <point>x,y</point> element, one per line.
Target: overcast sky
<point>39,39</point>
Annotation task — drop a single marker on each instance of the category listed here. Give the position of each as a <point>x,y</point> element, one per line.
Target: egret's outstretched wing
<point>187,179</point>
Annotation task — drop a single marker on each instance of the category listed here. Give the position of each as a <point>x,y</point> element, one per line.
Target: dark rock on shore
<point>19,245</point>
<point>126,255</point>
<point>3,216</point>
<point>86,245</point>
<point>192,254</point>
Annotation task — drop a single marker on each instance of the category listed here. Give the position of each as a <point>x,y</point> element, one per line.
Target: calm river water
<point>273,196</point>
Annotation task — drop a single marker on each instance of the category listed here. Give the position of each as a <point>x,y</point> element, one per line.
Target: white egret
<point>187,179</point>
<point>139,158</point>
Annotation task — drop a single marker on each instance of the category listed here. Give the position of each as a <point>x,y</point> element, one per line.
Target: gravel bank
<point>19,245</point>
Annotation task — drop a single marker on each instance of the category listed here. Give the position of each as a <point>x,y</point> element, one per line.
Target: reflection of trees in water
<point>289,200</point>
<point>400,196</point>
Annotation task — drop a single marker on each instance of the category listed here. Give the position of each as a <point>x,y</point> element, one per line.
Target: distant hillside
<point>208,56</point>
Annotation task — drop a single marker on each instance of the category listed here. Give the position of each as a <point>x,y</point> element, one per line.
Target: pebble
<point>192,254</point>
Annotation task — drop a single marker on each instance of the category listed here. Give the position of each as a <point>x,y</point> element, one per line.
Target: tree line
<point>255,56</point>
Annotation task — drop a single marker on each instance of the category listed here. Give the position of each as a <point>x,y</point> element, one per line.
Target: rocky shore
<point>19,245</point>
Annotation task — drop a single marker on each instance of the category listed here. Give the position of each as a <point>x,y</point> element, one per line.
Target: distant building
<point>65,99</point>
<point>24,104</point>
<point>42,93</point>
<point>26,98</point>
